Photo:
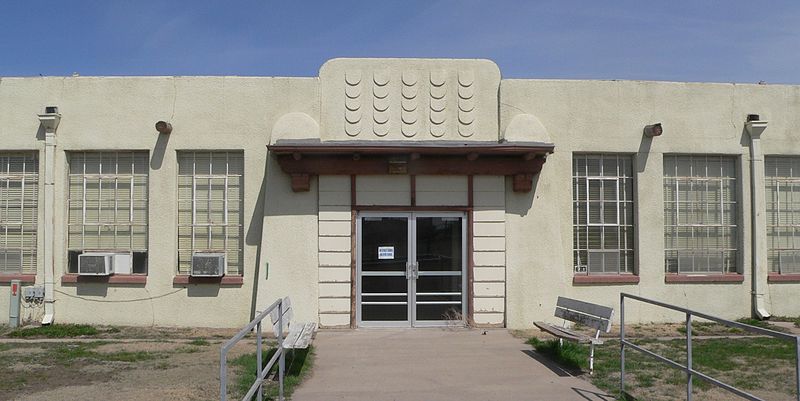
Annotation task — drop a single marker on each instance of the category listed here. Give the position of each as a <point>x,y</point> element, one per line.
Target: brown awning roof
<point>304,158</point>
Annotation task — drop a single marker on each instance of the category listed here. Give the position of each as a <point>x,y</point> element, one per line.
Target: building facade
<point>395,192</point>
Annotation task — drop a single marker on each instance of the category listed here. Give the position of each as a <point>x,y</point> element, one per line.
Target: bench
<point>588,314</point>
<point>296,335</point>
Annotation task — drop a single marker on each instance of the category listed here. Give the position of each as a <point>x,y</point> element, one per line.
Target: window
<point>700,232</point>
<point>210,207</point>
<point>19,194</point>
<point>108,205</point>
<point>602,199</point>
<point>783,214</point>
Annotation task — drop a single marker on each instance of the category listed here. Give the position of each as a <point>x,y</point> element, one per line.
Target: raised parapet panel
<point>396,99</point>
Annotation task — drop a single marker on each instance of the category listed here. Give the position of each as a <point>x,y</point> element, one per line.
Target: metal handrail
<point>690,372</point>
<point>257,388</point>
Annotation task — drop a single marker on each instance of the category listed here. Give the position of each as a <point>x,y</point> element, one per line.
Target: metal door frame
<point>412,256</point>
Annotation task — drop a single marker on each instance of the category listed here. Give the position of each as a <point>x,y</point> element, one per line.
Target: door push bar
<point>412,270</point>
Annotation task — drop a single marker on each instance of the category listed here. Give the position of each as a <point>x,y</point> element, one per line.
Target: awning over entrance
<point>303,158</point>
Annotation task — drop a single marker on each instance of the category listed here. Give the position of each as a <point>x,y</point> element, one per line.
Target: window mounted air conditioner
<point>208,265</point>
<point>603,261</point>
<point>104,263</point>
<point>95,264</point>
<point>789,261</point>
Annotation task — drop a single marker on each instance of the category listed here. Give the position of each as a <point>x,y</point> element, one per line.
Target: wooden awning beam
<point>304,159</point>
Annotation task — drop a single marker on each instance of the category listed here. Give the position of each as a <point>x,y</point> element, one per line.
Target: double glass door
<point>411,269</point>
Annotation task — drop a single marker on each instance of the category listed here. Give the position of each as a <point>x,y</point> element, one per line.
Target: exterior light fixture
<point>163,127</point>
<point>653,130</point>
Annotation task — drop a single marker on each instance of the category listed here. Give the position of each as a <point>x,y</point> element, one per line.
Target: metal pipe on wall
<point>49,121</point>
<point>760,292</point>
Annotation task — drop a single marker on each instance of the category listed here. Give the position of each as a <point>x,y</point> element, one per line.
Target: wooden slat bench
<point>296,335</point>
<point>588,314</point>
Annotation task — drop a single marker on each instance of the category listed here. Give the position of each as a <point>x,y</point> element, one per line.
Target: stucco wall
<point>608,116</point>
<point>207,113</point>
<point>522,263</point>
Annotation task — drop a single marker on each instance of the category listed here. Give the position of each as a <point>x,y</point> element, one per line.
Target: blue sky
<point>703,40</point>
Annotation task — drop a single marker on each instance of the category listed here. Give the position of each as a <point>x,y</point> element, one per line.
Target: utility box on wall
<point>13,310</point>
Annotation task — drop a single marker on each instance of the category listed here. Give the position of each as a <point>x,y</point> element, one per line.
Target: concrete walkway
<point>435,364</point>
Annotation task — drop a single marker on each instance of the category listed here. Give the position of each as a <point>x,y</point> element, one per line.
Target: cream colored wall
<point>206,113</point>
<point>409,99</point>
<point>489,250</point>
<point>335,232</point>
<point>335,257</point>
<point>608,116</point>
<point>523,242</point>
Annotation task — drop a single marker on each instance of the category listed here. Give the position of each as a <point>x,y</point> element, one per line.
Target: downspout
<point>49,120</point>
<point>760,292</point>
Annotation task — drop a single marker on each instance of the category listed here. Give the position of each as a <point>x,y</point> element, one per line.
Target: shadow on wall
<point>202,291</point>
<point>643,153</point>
<point>158,151</point>
<point>522,201</point>
<point>253,237</point>
<point>92,289</point>
<point>278,200</point>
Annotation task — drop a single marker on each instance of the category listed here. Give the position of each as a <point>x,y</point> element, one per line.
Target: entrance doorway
<point>411,269</point>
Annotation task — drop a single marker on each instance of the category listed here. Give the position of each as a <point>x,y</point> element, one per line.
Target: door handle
<point>412,270</point>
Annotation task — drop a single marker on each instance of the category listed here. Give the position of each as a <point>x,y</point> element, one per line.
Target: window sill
<point>711,278</point>
<point>606,279</point>
<point>224,280</point>
<point>25,278</point>
<point>112,279</point>
<point>783,278</point>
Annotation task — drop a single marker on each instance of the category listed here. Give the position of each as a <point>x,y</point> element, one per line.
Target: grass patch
<point>55,331</point>
<point>753,364</point>
<point>68,353</point>
<point>298,364</point>
<point>200,342</point>
<point>188,350</point>
<point>126,356</point>
<point>569,354</point>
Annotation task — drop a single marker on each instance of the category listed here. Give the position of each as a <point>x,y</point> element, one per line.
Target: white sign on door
<point>385,252</point>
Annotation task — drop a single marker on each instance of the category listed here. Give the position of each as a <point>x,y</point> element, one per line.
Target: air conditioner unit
<point>208,265</point>
<point>95,264</point>
<point>603,261</point>
<point>123,263</point>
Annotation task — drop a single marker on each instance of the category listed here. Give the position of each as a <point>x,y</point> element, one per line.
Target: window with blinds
<point>700,214</point>
<point>783,213</point>
<point>210,207</point>
<point>19,195</point>
<point>108,205</point>
<point>602,198</point>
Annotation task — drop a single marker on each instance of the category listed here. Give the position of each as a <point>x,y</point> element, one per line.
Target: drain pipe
<point>49,120</point>
<point>760,293</point>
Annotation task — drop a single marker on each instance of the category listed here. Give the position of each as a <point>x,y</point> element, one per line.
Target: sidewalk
<point>435,364</point>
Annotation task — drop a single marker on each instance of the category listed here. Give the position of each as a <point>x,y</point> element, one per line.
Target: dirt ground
<point>132,364</point>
